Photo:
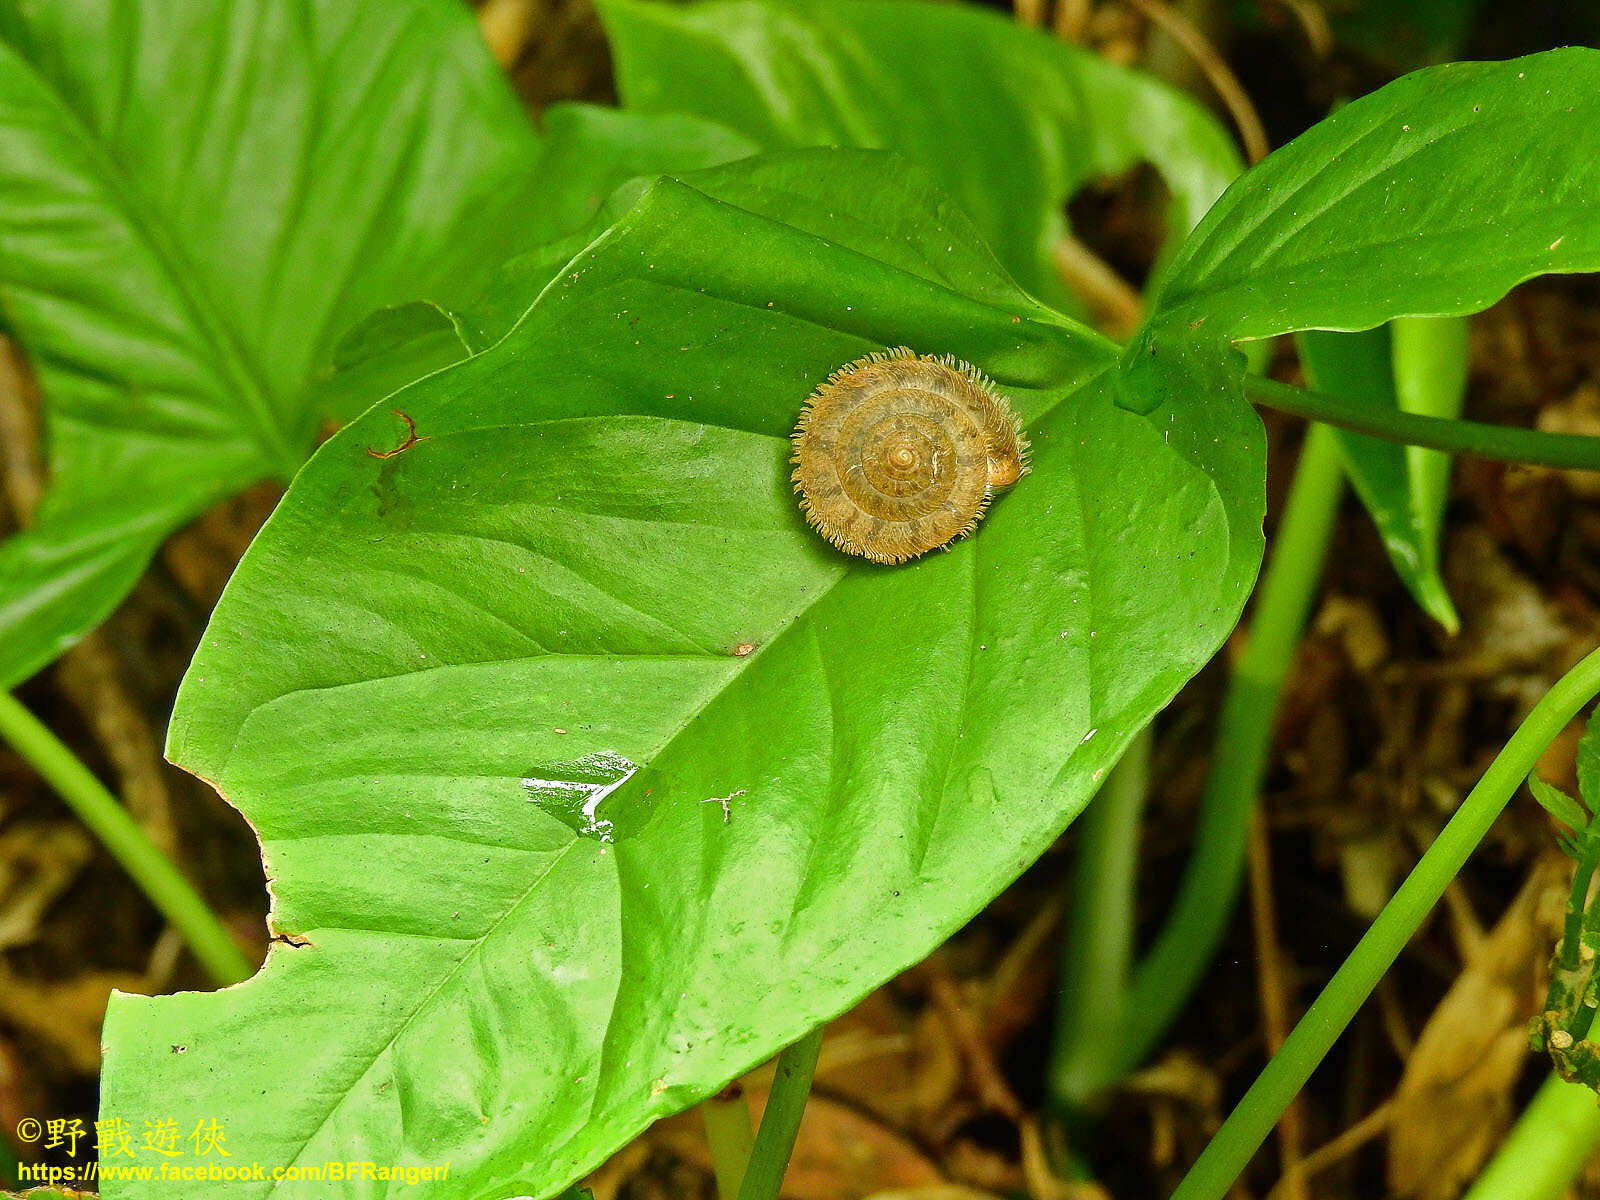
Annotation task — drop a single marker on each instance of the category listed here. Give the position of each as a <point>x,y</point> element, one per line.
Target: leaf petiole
<point>1530,446</point>
<point>780,1124</point>
<point>1097,950</point>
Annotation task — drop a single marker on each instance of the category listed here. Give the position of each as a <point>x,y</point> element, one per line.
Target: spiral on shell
<point>898,454</point>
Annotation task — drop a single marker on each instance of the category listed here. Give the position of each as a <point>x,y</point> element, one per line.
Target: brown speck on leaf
<point>743,650</point>
<point>411,438</point>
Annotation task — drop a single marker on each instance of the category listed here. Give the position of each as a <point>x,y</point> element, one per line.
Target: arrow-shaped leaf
<point>586,774</point>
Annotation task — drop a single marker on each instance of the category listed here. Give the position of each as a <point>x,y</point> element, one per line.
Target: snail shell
<point>898,454</point>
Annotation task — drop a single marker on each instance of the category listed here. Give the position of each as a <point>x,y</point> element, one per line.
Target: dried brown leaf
<point>1454,1099</point>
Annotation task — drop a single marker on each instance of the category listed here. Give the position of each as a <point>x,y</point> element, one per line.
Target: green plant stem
<point>109,821</point>
<point>1577,906</point>
<point>730,1137</point>
<point>786,1104</point>
<point>1230,1151</point>
<point>1588,926</point>
<point>1098,946</point>
<point>1183,949</point>
<point>1546,1148</point>
<point>1569,450</point>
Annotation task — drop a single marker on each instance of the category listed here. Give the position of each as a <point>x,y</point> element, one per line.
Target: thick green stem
<point>1098,946</point>
<point>110,822</point>
<point>1546,1148</point>
<point>1570,450</point>
<point>730,1137</point>
<point>1194,927</point>
<point>786,1104</point>
<point>1230,1151</point>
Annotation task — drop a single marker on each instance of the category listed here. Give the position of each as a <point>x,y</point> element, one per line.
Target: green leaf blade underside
<point>1403,487</point>
<point>569,572</point>
<point>1402,203</point>
<point>185,231</point>
<point>1011,121</point>
<point>885,229</point>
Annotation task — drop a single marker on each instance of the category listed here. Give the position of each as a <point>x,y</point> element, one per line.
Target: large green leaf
<point>586,774</point>
<point>196,200</point>
<point>1011,121</point>
<point>1400,204</point>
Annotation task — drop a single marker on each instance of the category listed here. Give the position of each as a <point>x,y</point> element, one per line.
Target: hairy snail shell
<point>898,454</point>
